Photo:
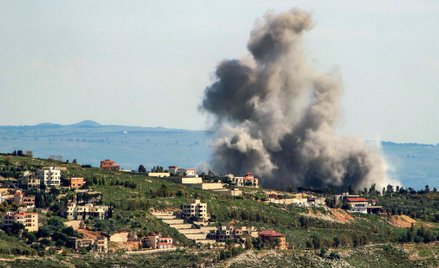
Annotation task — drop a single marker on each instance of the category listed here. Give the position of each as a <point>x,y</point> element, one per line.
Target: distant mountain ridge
<point>89,142</point>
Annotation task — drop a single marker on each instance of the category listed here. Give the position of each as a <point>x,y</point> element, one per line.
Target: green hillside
<point>132,196</point>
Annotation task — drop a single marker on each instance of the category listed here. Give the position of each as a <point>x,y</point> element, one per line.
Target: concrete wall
<point>159,174</point>
<point>209,186</point>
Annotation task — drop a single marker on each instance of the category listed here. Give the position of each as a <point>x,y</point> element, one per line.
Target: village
<point>191,220</point>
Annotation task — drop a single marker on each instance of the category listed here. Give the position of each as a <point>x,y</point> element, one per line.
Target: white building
<point>247,181</point>
<point>87,211</point>
<point>182,172</point>
<point>185,180</point>
<point>195,210</point>
<point>159,174</point>
<point>209,185</point>
<point>357,205</point>
<point>50,176</point>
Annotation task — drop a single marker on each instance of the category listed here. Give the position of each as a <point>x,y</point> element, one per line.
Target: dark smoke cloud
<point>274,115</point>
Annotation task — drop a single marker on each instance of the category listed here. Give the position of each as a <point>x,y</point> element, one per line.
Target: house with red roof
<point>357,204</point>
<point>270,237</point>
<point>108,164</point>
<point>155,241</point>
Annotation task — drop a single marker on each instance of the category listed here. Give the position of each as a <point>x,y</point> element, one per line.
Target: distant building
<point>316,201</point>
<point>342,197</point>
<point>21,200</point>
<point>108,164</point>
<point>173,170</point>
<point>195,210</point>
<point>270,237</point>
<point>50,176</point>
<point>87,211</point>
<point>182,172</point>
<point>76,183</point>
<point>100,243</point>
<point>234,192</point>
<point>186,180</point>
<point>28,219</point>
<point>357,204</point>
<point>83,196</point>
<point>248,180</point>
<point>155,241</point>
<point>29,181</point>
<point>190,172</point>
<point>159,174</point>
<point>230,192</point>
<point>209,185</point>
<point>224,233</point>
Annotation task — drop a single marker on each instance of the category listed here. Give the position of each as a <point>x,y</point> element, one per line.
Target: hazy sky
<point>147,63</point>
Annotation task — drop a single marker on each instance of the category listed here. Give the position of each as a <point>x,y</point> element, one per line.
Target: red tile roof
<point>270,233</point>
<point>356,199</point>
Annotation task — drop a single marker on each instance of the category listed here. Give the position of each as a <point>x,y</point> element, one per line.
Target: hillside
<point>134,195</point>
<point>89,142</point>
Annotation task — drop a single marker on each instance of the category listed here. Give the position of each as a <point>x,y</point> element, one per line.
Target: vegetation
<point>132,195</point>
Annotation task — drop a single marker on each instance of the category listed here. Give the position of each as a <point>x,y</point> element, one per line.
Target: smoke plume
<point>274,115</point>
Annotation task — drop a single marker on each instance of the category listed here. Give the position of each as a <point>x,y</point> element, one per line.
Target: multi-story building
<point>100,243</point>
<point>108,164</point>
<point>29,181</point>
<point>224,233</point>
<point>21,200</point>
<point>340,198</point>
<point>182,172</point>
<point>270,237</point>
<point>316,201</point>
<point>87,211</point>
<point>155,241</point>
<point>173,170</point>
<point>249,180</point>
<point>76,183</point>
<point>357,204</point>
<point>50,176</point>
<point>195,210</point>
<point>28,219</point>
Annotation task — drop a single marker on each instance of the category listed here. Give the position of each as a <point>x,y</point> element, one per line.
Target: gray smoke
<point>274,115</point>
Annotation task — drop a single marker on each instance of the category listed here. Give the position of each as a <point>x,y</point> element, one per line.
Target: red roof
<point>270,233</point>
<point>356,199</point>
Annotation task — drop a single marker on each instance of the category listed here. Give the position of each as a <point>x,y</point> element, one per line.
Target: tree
<point>30,237</point>
<point>322,252</point>
<point>16,228</point>
<point>336,243</point>
<point>141,169</point>
<point>330,202</point>
<point>427,189</point>
<point>351,189</point>
<point>316,241</point>
<point>389,188</point>
<point>222,255</point>
<point>304,222</point>
<point>372,189</point>
<point>162,191</point>
<point>248,243</point>
<point>258,243</point>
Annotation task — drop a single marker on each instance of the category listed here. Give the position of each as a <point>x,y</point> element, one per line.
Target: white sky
<point>147,63</point>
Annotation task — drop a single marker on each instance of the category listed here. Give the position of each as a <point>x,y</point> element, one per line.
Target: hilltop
<point>133,196</point>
